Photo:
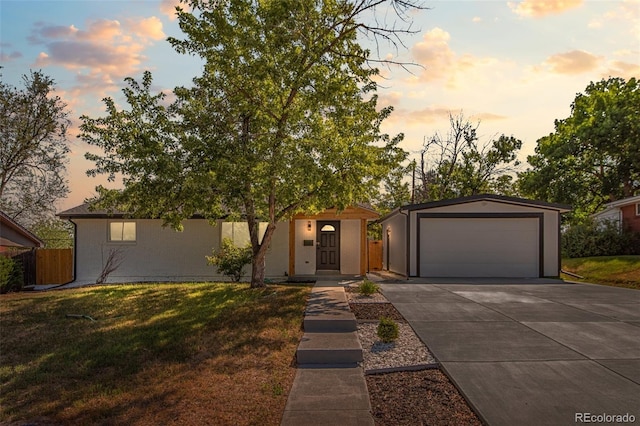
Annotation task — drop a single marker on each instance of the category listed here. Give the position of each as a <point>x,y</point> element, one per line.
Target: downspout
<point>408,248</point>
<point>75,250</point>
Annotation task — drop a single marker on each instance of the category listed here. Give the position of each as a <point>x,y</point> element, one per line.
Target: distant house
<point>14,237</point>
<point>330,242</point>
<point>625,212</point>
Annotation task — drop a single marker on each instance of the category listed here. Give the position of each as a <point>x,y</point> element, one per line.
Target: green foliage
<point>33,152</point>
<point>592,238</point>
<point>284,119</point>
<point>619,271</point>
<point>11,277</point>
<point>387,330</point>
<point>367,287</point>
<point>458,165</point>
<point>592,157</point>
<point>55,233</point>
<point>230,259</point>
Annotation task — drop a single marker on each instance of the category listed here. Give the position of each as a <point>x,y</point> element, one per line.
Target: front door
<point>328,245</point>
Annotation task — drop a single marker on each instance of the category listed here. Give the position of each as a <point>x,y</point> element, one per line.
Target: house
<point>14,237</point>
<point>476,236</point>
<point>330,242</point>
<point>625,212</point>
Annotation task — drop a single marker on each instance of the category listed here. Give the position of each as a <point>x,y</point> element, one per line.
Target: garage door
<point>479,247</point>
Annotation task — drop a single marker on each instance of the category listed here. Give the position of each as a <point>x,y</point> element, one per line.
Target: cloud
<point>541,8</point>
<point>476,19</point>
<point>147,28</point>
<point>100,52</point>
<point>441,63</point>
<point>8,57</point>
<point>168,7</point>
<point>622,69</point>
<point>573,62</point>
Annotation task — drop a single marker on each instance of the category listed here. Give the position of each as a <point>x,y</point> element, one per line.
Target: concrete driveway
<point>532,352</point>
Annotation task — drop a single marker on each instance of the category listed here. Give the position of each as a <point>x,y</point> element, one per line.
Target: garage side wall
<point>394,244</point>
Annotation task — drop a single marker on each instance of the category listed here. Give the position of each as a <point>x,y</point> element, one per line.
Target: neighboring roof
<point>623,202</point>
<point>6,223</point>
<point>561,208</point>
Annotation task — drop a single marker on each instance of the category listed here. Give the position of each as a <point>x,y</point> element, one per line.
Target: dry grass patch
<point>155,354</point>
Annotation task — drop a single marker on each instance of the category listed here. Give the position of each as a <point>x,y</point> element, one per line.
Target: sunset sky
<point>514,65</point>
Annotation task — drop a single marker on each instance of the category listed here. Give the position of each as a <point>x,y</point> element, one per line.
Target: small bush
<point>367,287</point>
<point>11,278</point>
<point>230,259</point>
<point>387,330</point>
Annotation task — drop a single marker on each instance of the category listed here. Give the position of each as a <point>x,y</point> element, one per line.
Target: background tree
<point>54,232</point>
<point>33,126</point>
<point>458,165</point>
<point>593,156</point>
<point>284,118</point>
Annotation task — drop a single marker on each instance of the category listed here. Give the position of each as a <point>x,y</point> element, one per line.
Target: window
<point>239,232</point>
<point>122,231</point>
<point>638,209</point>
<point>328,228</point>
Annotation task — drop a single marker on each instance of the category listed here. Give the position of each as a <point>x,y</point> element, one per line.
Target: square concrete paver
<point>596,340</point>
<point>488,341</point>
<point>544,393</point>
<point>544,312</point>
<point>629,368</point>
<point>315,389</point>
<point>448,312</point>
<point>618,311</point>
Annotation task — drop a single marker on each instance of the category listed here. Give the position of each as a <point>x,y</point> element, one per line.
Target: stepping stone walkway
<point>329,387</point>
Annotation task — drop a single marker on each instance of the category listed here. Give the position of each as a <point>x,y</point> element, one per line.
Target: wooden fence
<point>54,266</point>
<point>375,255</point>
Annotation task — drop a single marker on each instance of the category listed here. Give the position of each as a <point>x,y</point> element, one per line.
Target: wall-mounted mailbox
<point>307,243</point>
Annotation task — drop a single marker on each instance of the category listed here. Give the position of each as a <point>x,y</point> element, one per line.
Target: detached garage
<point>476,236</point>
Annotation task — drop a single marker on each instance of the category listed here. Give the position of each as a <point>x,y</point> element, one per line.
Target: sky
<point>512,66</point>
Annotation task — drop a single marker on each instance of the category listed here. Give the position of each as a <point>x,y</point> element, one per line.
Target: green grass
<point>619,271</point>
<point>155,354</point>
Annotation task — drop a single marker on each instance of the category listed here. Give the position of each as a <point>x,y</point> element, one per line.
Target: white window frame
<point>121,238</point>
<point>637,209</point>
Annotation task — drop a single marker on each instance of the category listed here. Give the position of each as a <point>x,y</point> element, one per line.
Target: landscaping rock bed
<point>405,386</point>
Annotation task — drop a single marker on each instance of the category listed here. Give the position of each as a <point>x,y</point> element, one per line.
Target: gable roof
<point>9,229</point>
<point>623,202</point>
<point>561,208</point>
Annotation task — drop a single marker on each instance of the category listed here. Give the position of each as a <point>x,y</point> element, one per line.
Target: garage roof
<point>561,208</point>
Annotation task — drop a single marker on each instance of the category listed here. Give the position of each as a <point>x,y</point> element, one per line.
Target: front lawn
<point>149,354</point>
<point>619,271</point>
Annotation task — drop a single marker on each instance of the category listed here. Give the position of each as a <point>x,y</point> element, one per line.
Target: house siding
<point>160,253</point>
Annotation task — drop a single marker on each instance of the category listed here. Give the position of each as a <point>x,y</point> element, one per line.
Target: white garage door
<point>479,247</point>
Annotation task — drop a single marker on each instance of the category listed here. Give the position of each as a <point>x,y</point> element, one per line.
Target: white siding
<point>396,252</point>
<point>305,261</point>
<point>350,246</point>
<point>162,254</point>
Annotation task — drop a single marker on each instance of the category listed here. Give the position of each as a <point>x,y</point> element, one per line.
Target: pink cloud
<point>541,8</point>
<point>573,62</point>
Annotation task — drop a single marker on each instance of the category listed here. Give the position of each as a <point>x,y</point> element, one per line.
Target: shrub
<point>230,260</point>
<point>593,238</point>
<point>11,278</point>
<point>367,287</point>
<point>387,330</point>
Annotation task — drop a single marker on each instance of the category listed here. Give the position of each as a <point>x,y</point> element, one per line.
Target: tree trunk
<point>258,267</point>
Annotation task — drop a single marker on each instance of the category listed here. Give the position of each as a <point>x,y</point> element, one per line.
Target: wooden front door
<point>328,245</point>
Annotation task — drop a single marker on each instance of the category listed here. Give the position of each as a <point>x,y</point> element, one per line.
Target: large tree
<point>33,148</point>
<point>593,156</point>
<point>458,164</point>
<point>284,118</point>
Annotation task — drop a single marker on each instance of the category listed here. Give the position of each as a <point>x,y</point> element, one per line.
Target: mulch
<point>375,311</point>
<point>425,397</point>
